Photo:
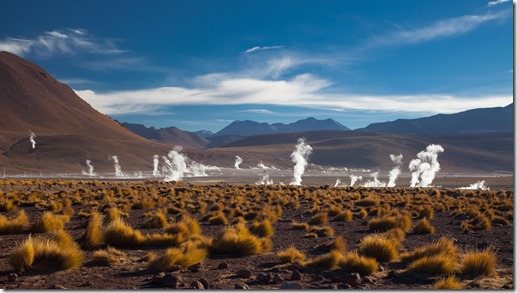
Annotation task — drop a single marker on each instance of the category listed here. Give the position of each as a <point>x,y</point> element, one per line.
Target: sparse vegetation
<point>379,247</point>
<point>290,254</point>
<point>479,263</point>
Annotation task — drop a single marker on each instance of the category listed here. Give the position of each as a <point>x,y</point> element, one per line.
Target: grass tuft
<point>450,282</point>
<point>379,247</point>
<point>440,264</point>
<point>479,263</point>
<point>290,255</point>
<point>355,263</point>
<point>423,227</point>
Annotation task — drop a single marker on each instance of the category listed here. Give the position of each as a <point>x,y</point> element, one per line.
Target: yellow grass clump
<point>237,240</point>
<point>439,264</point>
<point>423,227</point>
<point>94,234</point>
<point>355,263</point>
<point>119,234</point>
<point>479,263</point>
<point>444,246</point>
<point>320,218</point>
<point>108,256</point>
<point>18,224</point>
<point>379,247</point>
<point>175,256</point>
<point>327,261</point>
<point>49,222</point>
<point>300,226</point>
<point>262,228</point>
<point>323,231</point>
<point>291,255</point>
<point>450,282</point>
<point>157,220</point>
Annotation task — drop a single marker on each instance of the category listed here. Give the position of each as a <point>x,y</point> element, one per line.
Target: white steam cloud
<point>156,161</point>
<point>354,179</point>
<point>338,182</point>
<point>31,138</point>
<point>299,157</point>
<point>395,172</point>
<point>118,170</point>
<point>265,180</point>
<point>375,182</point>
<point>238,161</point>
<point>175,165</point>
<point>480,185</point>
<point>90,169</point>
<point>424,168</point>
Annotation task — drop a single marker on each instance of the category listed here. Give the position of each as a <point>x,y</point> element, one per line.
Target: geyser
<point>424,168</point>
<point>118,170</point>
<point>32,139</point>
<point>395,172</point>
<point>175,165</point>
<point>90,169</point>
<point>299,157</point>
<point>156,161</point>
<point>238,161</point>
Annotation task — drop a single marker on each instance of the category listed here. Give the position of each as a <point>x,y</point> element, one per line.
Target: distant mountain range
<point>168,135</point>
<point>484,120</point>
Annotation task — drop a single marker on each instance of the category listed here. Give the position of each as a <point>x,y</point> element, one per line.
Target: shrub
<point>175,256</point>
<point>49,222</point>
<point>17,224</point>
<point>499,221</point>
<point>355,263</point>
<point>440,264</point>
<point>382,224</point>
<point>479,263</point>
<point>94,235</point>
<point>327,261</point>
<point>427,212</point>
<point>157,220</point>
<point>108,256</point>
<point>423,227</point>
<point>324,231</point>
<point>450,282</point>
<point>119,234</point>
<point>300,226</point>
<point>344,216</point>
<point>46,254</point>
<point>218,219</point>
<point>444,246</point>
<point>481,222</point>
<point>362,214</point>
<point>378,247</point>
<point>310,235</point>
<point>395,234</point>
<point>320,218</point>
<point>291,255</point>
<point>339,244</point>
<point>262,228</point>
<point>7,206</point>
<point>238,241</point>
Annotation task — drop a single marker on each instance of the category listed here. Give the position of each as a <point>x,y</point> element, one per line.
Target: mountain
<point>466,153</point>
<point>250,128</point>
<point>168,135</point>
<point>204,133</point>
<point>68,130</point>
<point>483,120</point>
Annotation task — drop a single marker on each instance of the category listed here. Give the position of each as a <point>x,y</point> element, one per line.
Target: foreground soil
<point>456,214</point>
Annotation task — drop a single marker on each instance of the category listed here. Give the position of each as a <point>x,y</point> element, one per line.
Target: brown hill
<point>168,135</point>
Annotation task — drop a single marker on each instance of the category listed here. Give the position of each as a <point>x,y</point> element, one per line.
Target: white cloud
<point>441,29</point>
<point>254,49</point>
<point>303,90</point>
<point>496,2</point>
<point>259,111</point>
<point>70,41</point>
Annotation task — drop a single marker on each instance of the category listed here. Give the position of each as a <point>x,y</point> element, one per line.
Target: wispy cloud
<point>302,90</point>
<point>440,29</point>
<point>254,49</point>
<point>76,81</point>
<point>496,2</point>
<point>260,111</point>
<point>69,41</point>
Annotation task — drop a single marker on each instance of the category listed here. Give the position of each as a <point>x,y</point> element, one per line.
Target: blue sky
<point>202,64</point>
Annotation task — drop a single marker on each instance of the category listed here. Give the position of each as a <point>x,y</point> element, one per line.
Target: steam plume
<point>265,180</point>
<point>480,185</point>
<point>238,161</point>
<point>375,182</point>
<point>175,165</point>
<point>424,168</point>
<point>338,182</point>
<point>118,170</point>
<point>354,179</point>
<point>395,172</point>
<point>299,157</point>
<point>156,161</point>
<point>31,138</point>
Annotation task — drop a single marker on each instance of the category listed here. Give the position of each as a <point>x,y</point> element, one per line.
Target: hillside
<point>168,135</point>
<point>484,120</point>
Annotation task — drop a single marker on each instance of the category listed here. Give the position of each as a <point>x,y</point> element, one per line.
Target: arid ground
<point>143,220</point>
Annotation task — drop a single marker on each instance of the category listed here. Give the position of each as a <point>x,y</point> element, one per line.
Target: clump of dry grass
<point>327,261</point>
<point>426,212</point>
<point>60,253</point>
<point>49,222</point>
<point>390,222</point>
<point>18,224</point>
<point>119,234</point>
<point>444,246</point>
<point>379,247</point>
<point>300,226</point>
<point>109,256</point>
<point>290,255</point>
<point>7,206</point>
<point>175,256</point>
<point>439,264</point>
<point>344,216</point>
<point>323,231</point>
<point>450,282</point>
<point>479,263</point>
<point>262,228</point>
<point>320,218</point>
<point>218,219</point>
<point>353,262</point>
<point>94,234</point>
<point>423,227</point>
<point>157,220</point>
<point>239,241</point>
<point>362,214</point>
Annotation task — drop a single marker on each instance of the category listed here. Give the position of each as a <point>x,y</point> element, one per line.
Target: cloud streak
<point>493,3</point>
<point>254,49</point>
<point>69,41</point>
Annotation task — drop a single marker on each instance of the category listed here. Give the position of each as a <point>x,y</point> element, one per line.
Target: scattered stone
<point>241,286</point>
<point>244,273</point>
<point>345,286</point>
<point>353,279</point>
<point>175,268</point>
<point>277,279</point>
<point>370,279</point>
<point>205,283</point>
<point>381,269</point>
<point>171,281</point>
<point>318,277</point>
<point>508,285</point>
<point>157,279</point>
<point>264,277</point>
<point>56,286</point>
<point>296,275</point>
<point>291,285</point>
<point>197,285</point>
<point>12,277</point>
<point>195,267</point>
<point>222,266</point>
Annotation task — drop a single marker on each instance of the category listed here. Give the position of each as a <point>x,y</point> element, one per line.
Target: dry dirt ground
<point>222,271</point>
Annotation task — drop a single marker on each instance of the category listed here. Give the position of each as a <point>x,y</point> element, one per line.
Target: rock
<point>174,268</point>
<point>264,277</point>
<point>205,283</point>
<point>291,285</point>
<point>157,279</point>
<point>345,286</point>
<point>370,280</point>
<point>318,277</point>
<point>353,279</point>
<point>381,269</point>
<point>296,275</point>
<point>197,285</point>
<point>171,281</point>
<point>195,267</point>
<point>12,277</point>
<point>277,279</point>
<point>241,286</point>
<point>244,273</point>
<point>56,286</point>
<point>222,266</point>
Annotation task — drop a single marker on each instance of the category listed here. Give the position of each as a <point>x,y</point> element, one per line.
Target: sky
<point>199,65</point>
